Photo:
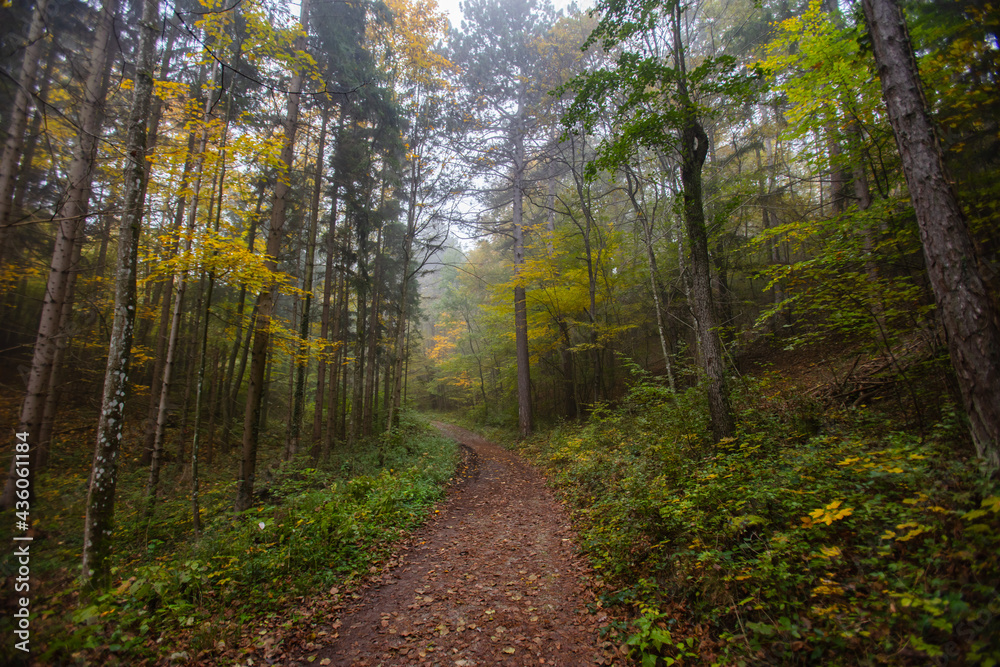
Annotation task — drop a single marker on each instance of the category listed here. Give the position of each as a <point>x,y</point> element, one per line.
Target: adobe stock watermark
<point>22,543</point>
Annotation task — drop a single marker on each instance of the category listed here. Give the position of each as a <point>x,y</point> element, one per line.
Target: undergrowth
<point>312,528</point>
<point>813,537</point>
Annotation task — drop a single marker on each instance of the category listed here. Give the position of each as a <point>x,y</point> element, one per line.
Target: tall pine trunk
<point>395,386</point>
<point>265,303</point>
<point>325,327</point>
<point>18,121</point>
<point>71,216</point>
<point>298,400</point>
<point>371,345</point>
<point>524,415</point>
<point>170,360</point>
<point>970,314</point>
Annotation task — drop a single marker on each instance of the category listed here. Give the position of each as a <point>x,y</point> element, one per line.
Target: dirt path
<point>491,580</point>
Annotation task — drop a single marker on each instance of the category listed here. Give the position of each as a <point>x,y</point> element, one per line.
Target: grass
<point>311,529</point>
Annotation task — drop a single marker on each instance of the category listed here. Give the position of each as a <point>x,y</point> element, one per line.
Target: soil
<point>493,579</point>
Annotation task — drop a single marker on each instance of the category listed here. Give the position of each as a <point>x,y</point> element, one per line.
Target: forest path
<point>492,579</point>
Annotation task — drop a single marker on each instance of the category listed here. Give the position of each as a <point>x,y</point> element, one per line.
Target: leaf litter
<point>492,579</point>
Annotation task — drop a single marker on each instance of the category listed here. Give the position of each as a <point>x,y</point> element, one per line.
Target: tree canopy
<point>296,225</point>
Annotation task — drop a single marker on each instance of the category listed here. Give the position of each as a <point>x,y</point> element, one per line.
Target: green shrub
<point>856,545</point>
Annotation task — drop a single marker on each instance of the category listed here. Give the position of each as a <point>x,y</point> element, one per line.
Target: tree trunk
<point>32,139</point>
<point>262,335</point>
<point>357,391</point>
<point>231,388</point>
<point>71,216</point>
<point>647,237</point>
<point>103,477</point>
<point>214,398</point>
<point>307,286</point>
<point>18,121</point>
<point>694,149</point>
<point>334,425</point>
<point>399,346</point>
<point>524,415</point>
<point>170,359</point>
<point>371,345</point>
<point>321,371</point>
<point>199,384</point>
<point>163,332</point>
<point>970,315</point>
<point>65,334</point>
<point>345,314</point>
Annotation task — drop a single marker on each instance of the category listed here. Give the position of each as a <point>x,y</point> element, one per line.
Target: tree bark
<point>200,385</point>
<point>103,477</point>
<point>321,371</point>
<point>65,335</point>
<point>71,215</point>
<point>371,345</point>
<point>298,399</point>
<point>654,283</point>
<point>524,414</point>
<point>170,359</point>
<point>231,387</point>
<point>163,334</point>
<point>335,413</point>
<point>33,138</point>
<point>18,121</point>
<point>694,149</point>
<point>262,335</point>
<point>399,346</point>
<point>970,314</point>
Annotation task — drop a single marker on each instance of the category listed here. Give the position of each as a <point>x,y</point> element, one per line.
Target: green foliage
<point>847,284</point>
<point>652,639</point>
<point>648,97</point>
<point>314,528</point>
<point>856,545</point>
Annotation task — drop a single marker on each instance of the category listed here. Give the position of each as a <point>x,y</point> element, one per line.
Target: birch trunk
<point>101,496</point>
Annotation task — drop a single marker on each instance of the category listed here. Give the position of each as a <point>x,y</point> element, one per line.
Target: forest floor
<point>494,578</point>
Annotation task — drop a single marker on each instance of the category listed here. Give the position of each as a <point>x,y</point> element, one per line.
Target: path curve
<point>492,579</point>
